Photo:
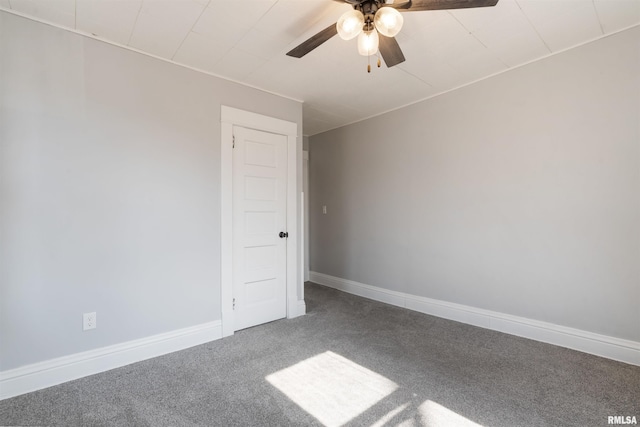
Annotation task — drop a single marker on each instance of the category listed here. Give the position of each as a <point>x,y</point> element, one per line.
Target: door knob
<point>283,234</point>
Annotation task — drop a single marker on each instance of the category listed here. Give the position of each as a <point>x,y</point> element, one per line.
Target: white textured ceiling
<point>246,41</point>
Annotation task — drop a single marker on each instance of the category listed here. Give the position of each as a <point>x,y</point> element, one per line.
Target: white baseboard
<point>302,308</point>
<point>297,308</point>
<point>56,371</point>
<point>588,342</point>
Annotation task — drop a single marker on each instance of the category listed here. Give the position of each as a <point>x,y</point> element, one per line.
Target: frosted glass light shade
<point>350,24</point>
<point>368,43</point>
<point>388,21</point>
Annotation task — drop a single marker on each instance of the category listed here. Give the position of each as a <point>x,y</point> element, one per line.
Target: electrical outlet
<point>89,321</point>
<point>324,209</point>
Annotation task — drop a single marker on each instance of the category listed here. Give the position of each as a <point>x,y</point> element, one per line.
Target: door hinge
<point>234,142</point>
<point>234,303</point>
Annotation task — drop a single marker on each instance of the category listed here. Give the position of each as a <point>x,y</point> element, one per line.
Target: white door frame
<point>230,117</point>
<point>305,214</point>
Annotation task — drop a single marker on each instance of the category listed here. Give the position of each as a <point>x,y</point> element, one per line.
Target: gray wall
<point>109,191</point>
<point>518,194</point>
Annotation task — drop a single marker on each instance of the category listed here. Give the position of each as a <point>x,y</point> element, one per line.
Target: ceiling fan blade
<point>390,50</point>
<point>417,5</point>
<point>313,42</point>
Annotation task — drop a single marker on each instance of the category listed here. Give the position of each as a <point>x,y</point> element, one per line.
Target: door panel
<point>259,215</point>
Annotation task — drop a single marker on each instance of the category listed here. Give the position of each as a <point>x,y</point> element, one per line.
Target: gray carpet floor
<point>349,361</point>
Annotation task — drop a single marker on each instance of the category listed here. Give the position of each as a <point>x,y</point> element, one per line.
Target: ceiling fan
<point>376,23</point>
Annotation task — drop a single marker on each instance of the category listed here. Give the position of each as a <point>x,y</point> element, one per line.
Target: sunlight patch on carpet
<point>332,388</point>
<point>435,415</point>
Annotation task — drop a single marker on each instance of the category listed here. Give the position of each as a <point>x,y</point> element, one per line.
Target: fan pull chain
<point>379,62</point>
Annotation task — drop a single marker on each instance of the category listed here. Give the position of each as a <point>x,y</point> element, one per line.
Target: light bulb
<point>368,43</point>
<point>350,24</point>
<point>388,21</point>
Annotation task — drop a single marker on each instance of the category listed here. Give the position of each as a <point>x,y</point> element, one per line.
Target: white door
<point>259,218</point>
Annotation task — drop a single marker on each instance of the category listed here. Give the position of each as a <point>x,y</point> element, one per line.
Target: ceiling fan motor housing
<point>368,9</point>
